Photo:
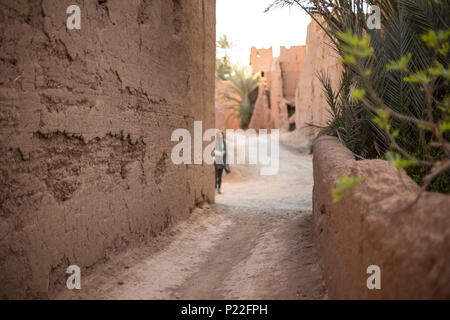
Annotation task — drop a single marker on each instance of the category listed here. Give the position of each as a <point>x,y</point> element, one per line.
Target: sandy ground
<point>255,242</point>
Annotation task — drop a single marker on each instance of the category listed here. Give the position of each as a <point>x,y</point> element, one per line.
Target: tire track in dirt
<point>254,243</point>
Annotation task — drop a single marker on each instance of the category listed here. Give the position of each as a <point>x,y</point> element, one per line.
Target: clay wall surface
<point>86,118</point>
<point>291,62</point>
<point>261,113</point>
<point>278,108</point>
<point>310,101</point>
<point>411,247</point>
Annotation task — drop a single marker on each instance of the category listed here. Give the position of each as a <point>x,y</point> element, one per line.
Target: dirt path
<point>254,243</point>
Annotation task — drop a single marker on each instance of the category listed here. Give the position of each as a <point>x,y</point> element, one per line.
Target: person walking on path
<point>220,159</point>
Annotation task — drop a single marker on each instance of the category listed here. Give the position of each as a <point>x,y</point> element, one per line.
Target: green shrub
<point>393,101</point>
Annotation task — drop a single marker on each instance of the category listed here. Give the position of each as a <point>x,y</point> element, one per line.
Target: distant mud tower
<point>276,101</point>
<point>86,118</point>
<point>261,61</point>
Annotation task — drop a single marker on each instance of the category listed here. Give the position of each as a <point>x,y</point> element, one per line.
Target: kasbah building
<point>289,87</point>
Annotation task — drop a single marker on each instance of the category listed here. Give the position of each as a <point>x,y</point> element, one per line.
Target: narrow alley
<point>255,242</point>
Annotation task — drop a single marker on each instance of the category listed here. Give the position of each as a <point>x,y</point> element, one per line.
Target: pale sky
<point>246,24</point>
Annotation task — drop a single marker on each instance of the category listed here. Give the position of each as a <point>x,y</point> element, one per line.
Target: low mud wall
<point>86,118</point>
<point>411,248</point>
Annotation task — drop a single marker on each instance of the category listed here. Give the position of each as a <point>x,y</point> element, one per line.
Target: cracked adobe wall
<point>86,118</point>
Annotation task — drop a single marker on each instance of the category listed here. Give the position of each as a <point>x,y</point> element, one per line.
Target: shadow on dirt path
<point>255,242</point>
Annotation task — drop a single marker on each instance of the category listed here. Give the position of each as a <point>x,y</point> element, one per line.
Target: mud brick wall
<point>310,100</point>
<point>281,75</point>
<point>86,118</point>
<point>261,61</point>
<point>411,247</point>
<point>278,110</point>
<point>291,62</point>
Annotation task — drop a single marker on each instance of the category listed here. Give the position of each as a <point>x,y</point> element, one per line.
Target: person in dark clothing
<point>220,159</point>
<point>219,173</point>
